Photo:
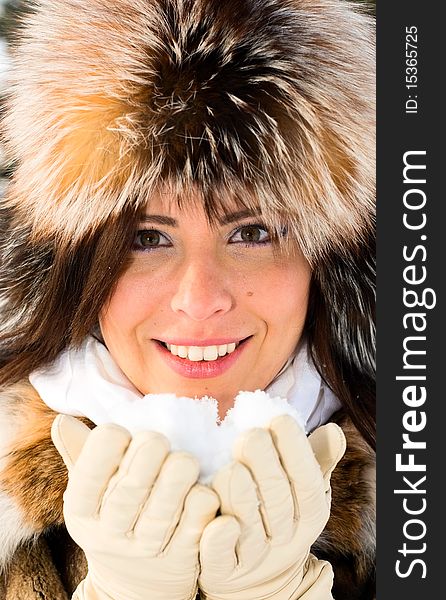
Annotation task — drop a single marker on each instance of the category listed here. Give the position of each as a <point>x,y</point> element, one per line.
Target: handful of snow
<point>193,425</point>
<point>86,382</point>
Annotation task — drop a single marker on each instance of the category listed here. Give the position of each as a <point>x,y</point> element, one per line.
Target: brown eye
<point>149,238</point>
<point>251,234</point>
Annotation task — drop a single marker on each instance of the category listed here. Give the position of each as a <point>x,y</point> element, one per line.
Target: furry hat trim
<point>268,102</point>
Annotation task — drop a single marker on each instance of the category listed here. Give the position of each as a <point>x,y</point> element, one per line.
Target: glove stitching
<point>342,447</point>
<point>318,496</point>
<point>194,588</point>
<point>261,508</point>
<point>296,512</point>
<point>62,442</point>
<point>239,566</point>
<point>109,426</point>
<point>130,532</point>
<point>117,479</point>
<point>231,513</point>
<point>260,500</point>
<point>97,513</point>
<point>174,522</point>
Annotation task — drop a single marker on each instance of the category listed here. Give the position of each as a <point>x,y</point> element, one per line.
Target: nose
<point>201,292</point>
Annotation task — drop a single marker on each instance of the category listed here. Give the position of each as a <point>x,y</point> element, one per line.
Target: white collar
<point>305,390</point>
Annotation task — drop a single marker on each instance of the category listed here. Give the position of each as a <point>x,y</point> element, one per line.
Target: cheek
<point>280,294</point>
<point>132,302</point>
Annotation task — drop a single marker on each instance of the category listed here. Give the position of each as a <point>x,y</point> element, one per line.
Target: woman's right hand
<point>136,511</point>
<point>275,501</point>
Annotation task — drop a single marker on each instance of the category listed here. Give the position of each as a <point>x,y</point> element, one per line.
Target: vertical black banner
<point>410,292</point>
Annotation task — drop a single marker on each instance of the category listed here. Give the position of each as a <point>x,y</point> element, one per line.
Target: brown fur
<point>35,475</point>
<point>36,478</point>
<point>348,540</point>
<point>32,575</point>
<point>268,102</point>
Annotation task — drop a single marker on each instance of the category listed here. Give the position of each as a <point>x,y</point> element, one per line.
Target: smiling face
<point>205,310</point>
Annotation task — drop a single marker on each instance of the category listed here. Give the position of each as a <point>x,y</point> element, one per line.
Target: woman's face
<point>205,310</point>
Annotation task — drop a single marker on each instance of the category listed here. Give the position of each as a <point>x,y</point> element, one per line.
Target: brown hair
<point>63,287</point>
<point>341,331</point>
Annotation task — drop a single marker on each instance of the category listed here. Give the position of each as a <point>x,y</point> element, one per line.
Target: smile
<point>207,361</point>
<point>198,353</point>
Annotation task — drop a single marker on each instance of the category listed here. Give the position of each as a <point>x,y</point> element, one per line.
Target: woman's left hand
<point>275,501</point>
<point>135,509</point>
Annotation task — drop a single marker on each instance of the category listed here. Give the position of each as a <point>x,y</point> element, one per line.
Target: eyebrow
<point>238,216</point>
<point>225,220</point>
<point>159,220</point>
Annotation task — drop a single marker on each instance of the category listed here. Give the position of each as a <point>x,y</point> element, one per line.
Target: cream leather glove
<point>136,511</point>
<point>275,501</point>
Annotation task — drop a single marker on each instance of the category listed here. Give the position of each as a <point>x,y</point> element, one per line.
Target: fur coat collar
<point>39,561</point>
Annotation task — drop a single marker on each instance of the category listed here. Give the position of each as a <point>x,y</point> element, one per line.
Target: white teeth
<point>195,353</point>
<point>210,353</point>
<point>222,349</point>
<point>198,353</point>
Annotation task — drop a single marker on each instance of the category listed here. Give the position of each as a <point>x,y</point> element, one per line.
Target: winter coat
<point>39,561</point>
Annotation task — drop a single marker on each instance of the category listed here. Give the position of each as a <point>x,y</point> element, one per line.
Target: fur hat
<point>270,102</point>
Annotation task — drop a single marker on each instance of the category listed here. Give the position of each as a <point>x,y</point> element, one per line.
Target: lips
<point>201,361</point>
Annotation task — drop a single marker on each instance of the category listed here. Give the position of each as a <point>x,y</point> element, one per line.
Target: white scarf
<point>87,382</point>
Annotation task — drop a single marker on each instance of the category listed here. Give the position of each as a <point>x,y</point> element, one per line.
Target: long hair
<point>341,331</point>
<point>268,102</point>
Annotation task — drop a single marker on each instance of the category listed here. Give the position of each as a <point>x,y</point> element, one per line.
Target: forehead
<point>192,203</point>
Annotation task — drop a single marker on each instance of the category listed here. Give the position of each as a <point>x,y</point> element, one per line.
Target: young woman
<point>193,205</point>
